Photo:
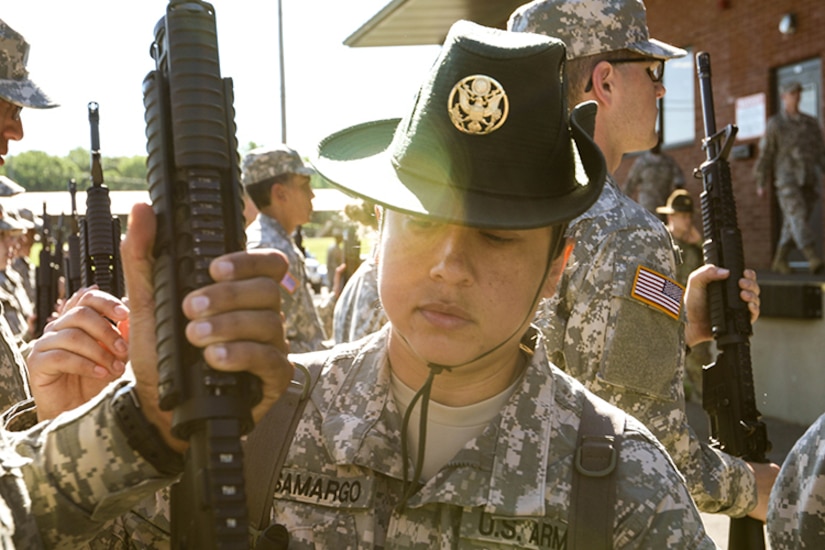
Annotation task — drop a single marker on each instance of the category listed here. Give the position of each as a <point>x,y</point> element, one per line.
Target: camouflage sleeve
<point>82,473</point>
<point>631,353</point>
<point>662,515</point>
<point>796,510</point>
<point>763,169</point>
<point>14,378</point>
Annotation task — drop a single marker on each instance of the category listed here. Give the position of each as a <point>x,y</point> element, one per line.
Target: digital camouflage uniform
<point>630,351</point>
<point>15,302</point>
<point>14,378</point>
<point>358,311</point>
<point>652,178</point>
<point>508,487</point>
<point>303,327</point>
<point>28,277</point>
<point>792,156</point>
<point>616,322</point>
<point>796,510</point>
<point>71,475</point>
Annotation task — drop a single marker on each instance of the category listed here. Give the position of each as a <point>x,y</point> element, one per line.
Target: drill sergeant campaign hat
<point>590,27</point>
<point>266,163</point>
<point>15,85</point>
<point>488,142</point>
<point>678,201</point>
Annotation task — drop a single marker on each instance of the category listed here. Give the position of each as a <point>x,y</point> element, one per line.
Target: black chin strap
<point>423,394</point>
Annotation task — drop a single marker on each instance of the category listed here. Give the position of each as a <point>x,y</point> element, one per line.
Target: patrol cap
<point>487,142</point>
<point>265,163</point>
<point>791,86</point>
<point>9,187</point>
<point>678,201</point>
<point>8,222</point>
<point>590,27</point>
<point>15,85</point>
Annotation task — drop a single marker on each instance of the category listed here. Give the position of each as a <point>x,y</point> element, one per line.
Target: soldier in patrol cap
<point>17,308</point>
<point>652,177</point>
<point>792,158</point>
<point>617,322</point>
<point>476,186</point>
<point>279,184</point>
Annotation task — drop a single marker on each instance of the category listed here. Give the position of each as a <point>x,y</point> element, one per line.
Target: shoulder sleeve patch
<point>658,291</point>
<point>289,283</point>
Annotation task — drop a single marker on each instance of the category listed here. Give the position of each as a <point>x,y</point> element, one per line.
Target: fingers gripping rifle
<point>728,390</point>
<point>194,183</point>
<point>99,231</point>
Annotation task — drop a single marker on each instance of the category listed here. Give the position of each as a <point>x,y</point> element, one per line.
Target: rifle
<point>71,263</point>
<point>99,230</point>
<point>194,182</point>
<point>727,384</point>
<point>47,276</point>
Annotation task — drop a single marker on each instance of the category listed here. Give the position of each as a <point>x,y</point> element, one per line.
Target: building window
<point>678,116</point>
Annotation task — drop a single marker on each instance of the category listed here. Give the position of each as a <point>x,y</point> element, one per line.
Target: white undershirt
<point>448,428</point>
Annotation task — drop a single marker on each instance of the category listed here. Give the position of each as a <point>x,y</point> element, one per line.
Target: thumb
<point>137,258</point>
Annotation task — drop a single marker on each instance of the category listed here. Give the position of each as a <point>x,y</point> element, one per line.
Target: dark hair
<point>259,191</point>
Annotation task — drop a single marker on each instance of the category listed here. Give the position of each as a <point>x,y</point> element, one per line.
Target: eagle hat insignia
<point>478,105</point>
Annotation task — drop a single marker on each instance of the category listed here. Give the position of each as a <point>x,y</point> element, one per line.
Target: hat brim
<point>359,161</point>
<point>25,93</point>
<point>657,49</point>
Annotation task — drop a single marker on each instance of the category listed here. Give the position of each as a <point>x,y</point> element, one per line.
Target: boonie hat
<point>265,163</point>
<point>678,201</point>
<point>9,187</point>
<point>589,27</point>
<point>15,85</point>
<point>488,142</point>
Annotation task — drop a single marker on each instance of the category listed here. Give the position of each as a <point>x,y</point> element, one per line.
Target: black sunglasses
<point>656,73</point>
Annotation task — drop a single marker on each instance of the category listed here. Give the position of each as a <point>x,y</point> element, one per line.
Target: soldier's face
<point>11,127</point>
<point>299,195</point>
<point>638,106</point>
<point>453,292</point>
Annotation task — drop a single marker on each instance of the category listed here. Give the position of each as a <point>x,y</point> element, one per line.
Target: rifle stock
<point>194,184</point>
<point>728,391</point>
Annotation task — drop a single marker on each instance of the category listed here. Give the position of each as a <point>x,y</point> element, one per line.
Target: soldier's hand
<point>79,353</point>
<point>237,320</point>
<point>698,327</point>
<point>765,477</point>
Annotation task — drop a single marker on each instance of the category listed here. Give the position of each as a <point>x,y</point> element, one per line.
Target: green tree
<point>38,171</point>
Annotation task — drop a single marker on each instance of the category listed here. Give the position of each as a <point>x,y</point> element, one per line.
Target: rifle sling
<point>593,487</point>
<point>267,445</point>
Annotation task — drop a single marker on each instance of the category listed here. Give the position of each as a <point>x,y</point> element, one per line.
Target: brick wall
<point>745,45</point>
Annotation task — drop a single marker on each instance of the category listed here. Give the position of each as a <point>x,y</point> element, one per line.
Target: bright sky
<point>98,50</point>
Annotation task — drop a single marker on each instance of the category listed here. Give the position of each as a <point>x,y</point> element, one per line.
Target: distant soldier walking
<point>792,156</point>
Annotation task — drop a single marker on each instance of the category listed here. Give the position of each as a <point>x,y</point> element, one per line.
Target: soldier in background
<point>653,176</point>
<point>679,218</point>
<point>792,157</point>
<point>279,184</point>
<point>22,263</point>
<point>17,308</point>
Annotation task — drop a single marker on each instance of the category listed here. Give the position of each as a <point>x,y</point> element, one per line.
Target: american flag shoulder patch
<point>658,291</point>
<point>289,283</point>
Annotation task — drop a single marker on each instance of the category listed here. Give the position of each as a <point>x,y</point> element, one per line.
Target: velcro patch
<point>658,291</point>
<point>325,490</point>
<point>289,283</point>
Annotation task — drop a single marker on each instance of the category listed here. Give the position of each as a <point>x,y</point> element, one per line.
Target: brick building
<point>750,56</point>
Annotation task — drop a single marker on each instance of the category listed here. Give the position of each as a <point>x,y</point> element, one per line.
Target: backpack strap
<point>593,487</point>
<point>267,445</point>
